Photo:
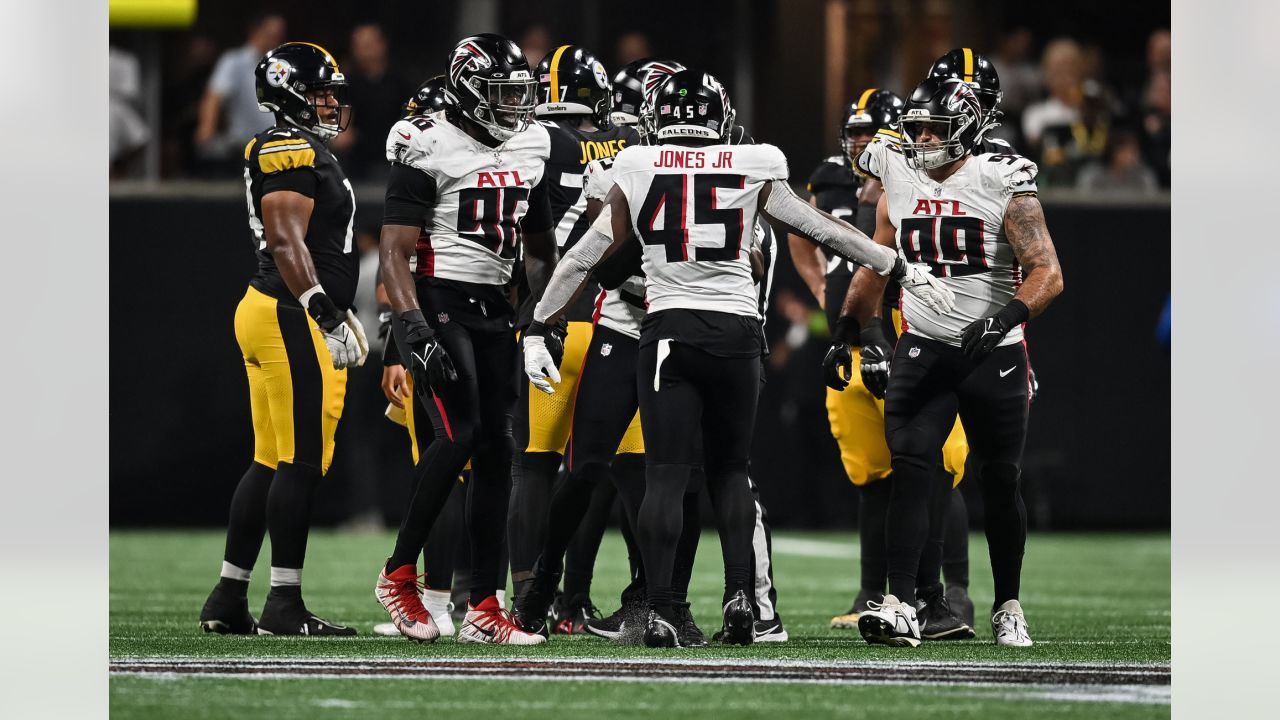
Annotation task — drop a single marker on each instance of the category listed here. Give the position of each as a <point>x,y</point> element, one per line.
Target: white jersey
<point>620,309</point>
<point>957,228</point>
<point>481,194</point>
<point>694,209</point>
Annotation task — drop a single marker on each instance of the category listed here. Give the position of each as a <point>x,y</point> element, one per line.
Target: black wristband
<point>847,330</point>
<point>324,312</point>
<point>415,326</point>
<point>872,334</point>
<point>537,329</point>
<point>1014,314</point>
<point>899,268</point>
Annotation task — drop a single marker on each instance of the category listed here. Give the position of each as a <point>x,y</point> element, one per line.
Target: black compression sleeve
<point>538,219</point>
<point>411,193</point>
<point>300,180</point>
<point>615,269</point>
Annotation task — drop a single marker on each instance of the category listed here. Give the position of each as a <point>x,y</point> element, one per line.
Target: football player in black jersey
<point>574,100</point>
<point>297,334</point>
<point>472,177</point>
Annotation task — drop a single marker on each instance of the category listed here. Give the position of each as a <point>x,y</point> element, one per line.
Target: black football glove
<point>555,340</point>
<point>874,363</point>
<point>982,336</point>
<point>428,361</point>
<point>840,355</point>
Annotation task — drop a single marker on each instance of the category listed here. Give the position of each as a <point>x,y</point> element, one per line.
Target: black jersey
<point>285,158</point>
<point>571,149</point>
<point>835,187</point>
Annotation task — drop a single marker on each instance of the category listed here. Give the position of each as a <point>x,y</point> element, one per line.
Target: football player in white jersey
<point>689,200</point>
<point>977,222</point>
<point>471,178</point>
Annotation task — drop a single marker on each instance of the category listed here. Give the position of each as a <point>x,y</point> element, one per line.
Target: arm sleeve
<point>411,193</point>
<point>300,180</point>
<point>847,242</point>
<point>572,270</point>
<point>538,218</point>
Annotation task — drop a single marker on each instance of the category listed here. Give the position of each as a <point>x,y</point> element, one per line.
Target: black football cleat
<point>739,621</point>
<point>532,609</point>
<point>227,613</point>
<point>287,615</point>
<point>631,615</point>
<point>569,616</point>
<point>659,633</point>
<point>958,597</point>
<point>938,621</point>
<point>771,630</point>
<point>688,634</point>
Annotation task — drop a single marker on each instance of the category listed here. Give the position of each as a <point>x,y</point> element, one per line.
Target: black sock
<point>873,510</point>
<point>441,549</point>
<point>1006,526</point>
<point>434,478</point>
<point>580,556</point>
<point>628,478</point>
<point>907,527</point>
<point>658,527</point>
<point>487,504</point>
<point>686,548</point>
<point>236,588</point>
<point>247,524</point>
<point>289,513</point>
<point>955,543</point>
<point>735,511</point>
<point>569,504</point>
<point>533,477</point>
<point>929,574</point>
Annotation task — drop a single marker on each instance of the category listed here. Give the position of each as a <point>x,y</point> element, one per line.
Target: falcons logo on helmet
<point>962,95</point>
<point>655,73</point>
<point>467,57</point>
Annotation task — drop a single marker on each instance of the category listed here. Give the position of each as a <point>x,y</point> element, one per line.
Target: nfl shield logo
<point>605,349</point>
<point>913,352</point>
<point>444,318</point>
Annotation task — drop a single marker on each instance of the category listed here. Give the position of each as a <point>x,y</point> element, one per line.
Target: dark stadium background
<point>1098,451</point>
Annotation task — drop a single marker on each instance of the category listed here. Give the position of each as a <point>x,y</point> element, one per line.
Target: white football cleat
<point>491,624</point>
<point>1009,626</point>
<point>890,623</point>
<point>399,594</point>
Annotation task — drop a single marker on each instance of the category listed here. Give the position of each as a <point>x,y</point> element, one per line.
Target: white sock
<point>436,600</point>
<point>502,598</point>
<point>231,572</point>
<point>285,576</point>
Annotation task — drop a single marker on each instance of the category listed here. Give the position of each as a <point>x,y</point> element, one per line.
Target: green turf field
<point>1090,600</point>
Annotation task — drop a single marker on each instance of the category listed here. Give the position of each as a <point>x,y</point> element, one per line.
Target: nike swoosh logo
<point>403,135</point>
<point>1006,372</point>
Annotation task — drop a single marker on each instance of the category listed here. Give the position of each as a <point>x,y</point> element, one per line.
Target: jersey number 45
<point>667,199</point>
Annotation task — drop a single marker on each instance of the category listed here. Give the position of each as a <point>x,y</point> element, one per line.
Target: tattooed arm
<point>1041,275</point>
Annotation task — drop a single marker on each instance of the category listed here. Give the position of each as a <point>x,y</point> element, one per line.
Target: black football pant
<point>684,391</point>
<point>929,383</point>
<point>471,417</point>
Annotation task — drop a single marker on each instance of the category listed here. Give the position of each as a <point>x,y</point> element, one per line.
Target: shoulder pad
<point>772,164</point>
<point>1009,172</point>
<point>871,160</point>
<point>280,149</point>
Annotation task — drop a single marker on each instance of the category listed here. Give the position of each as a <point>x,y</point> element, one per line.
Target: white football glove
<point>538,364</point>
<point>926,288</point>
<point>343,346</point>
<point>362,342</point>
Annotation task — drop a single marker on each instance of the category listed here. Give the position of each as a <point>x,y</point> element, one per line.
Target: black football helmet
<point>284,77</point>
<point>692,104</point>
<point>428,98</point>
<point>873,111</point>
<point>975,69</point>
<point>652,74</point>
<point>490,84</point>
<point>628,94</point>
<point>949,111</point>
<point>571,81</point>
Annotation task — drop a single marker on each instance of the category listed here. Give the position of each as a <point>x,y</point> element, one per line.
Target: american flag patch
<point>664,109</point>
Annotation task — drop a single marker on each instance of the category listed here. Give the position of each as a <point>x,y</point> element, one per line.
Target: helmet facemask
<point>946,145</point>
<point>852,136</point>
<point>503,107</point>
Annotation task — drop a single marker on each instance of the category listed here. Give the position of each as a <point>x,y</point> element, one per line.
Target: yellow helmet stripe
<point>968,64</point>
<point>862,101</point>
<point>327,55</point>
<point>555,73</point>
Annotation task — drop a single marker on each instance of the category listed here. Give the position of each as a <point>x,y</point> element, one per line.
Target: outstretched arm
<point>607,235</point>
<point>781,203</point>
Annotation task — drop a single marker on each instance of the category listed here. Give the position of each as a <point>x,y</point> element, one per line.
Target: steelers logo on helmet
<point>278,72</point>
<point>602,77</point>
